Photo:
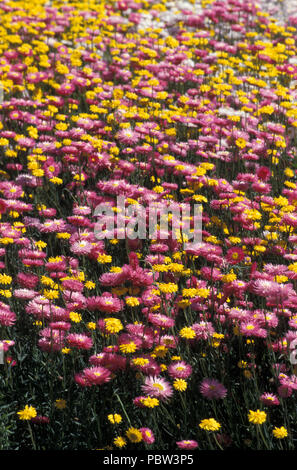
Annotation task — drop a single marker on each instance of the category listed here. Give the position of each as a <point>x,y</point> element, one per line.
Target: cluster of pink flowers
<point>158,107</point>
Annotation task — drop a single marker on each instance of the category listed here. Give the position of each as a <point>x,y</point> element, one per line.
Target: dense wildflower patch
<point>147,343</point>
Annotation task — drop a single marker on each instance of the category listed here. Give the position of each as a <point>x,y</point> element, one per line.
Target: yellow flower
<point>180,385</point>
<point>128,348</point>
<point>60,403</point>
<point>176,358</point>
<point>27,413</point>
<point>281,201</point>
<point>293,267</point>
<point>119,442</point>
<point>187,332</point>
<point>229,277</point>
<point>134,435</point>
<point>158,189</point>
<point>113,325</point>
<point>132,301</point>
<point>167,288</point>
<point>247,374</point>
<point>280,433</point>
<point>116,269</point>
<point>38,172</point>
<point>289,172</point>
<point>6,240</point>
<point>75,317</point>
<point>5,279</point>
<point>241,143</point>
<point>47,281</point>
<point>56,180</point>
<point>114,418</point>
<point>210,424</point>
<point>40,244</point>
<point>66,350</point>
<point>6,293</point>
<point>140,361</point>
<point>90,285</point>
<point>102,259</point>
<point>160,268</point>
<point>160,351</point>
<point>51,294</point>
<point>257,417</point>
<point>150,402</point>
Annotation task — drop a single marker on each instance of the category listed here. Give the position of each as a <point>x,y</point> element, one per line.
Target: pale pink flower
<point>157,387</point>
<point>212,389</point>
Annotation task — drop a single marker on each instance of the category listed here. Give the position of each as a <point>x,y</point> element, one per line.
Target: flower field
<point>132,343</point>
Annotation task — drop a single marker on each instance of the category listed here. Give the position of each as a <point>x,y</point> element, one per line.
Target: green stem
<point>123,408</point>
<point>217,442</point>
<point>31,435</point>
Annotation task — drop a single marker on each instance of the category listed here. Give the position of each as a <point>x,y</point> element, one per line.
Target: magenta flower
<point>147,435</point>
<point>269,399</point>
<point>96,375</point>
<point>180,370</point>
<point>187,444</point>
<point>212,389</point>
<point>79,341</point>
<point>235,255</point>
<point>105,303</point>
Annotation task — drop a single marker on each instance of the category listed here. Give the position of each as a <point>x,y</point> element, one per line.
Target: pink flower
<point>52,340</point>
<point>82,247</point>
<point>79,341</point>
<point>161,320</point>
<point>27,280</point>
<point>288,381</point>
<point>169,341</point>
<point>10,190</point>
<point>203,330</point>
<point>73,285</point>
<point>187,444</point>
<point>40,420</point>
<point>105,303</point>
<point>7,318</point>
<point>144,335</point>
<point>112,279</point>
<point>180,370</point>
<point>284,391</point>
<point>211,274</point>
<point>157,387</point>
<point>263,173</point>
<point>60,325</point>
<point>6,344</point>
<point>57,265</point>
<point>269,399</point>
<point>74,300</point>
<point>147,435</point>
<point>212,389</point>
<point>109,360</point>
<point>127,136</point>
<point>235,255</point>
<point>251,328</point>
<point>51,226</point>
<point>96,375</point>
<point>26,294</point>
<point>52,168</point>
<point>147,365</point>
